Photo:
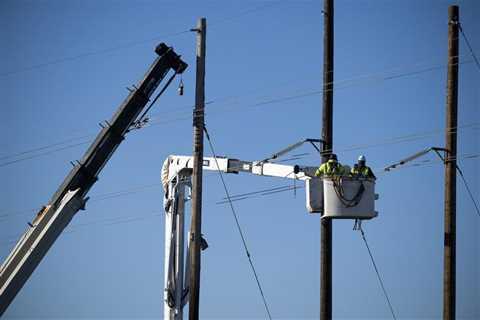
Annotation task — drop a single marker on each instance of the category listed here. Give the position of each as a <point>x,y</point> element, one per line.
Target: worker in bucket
<point>361,170</point>
<point>331,168</point>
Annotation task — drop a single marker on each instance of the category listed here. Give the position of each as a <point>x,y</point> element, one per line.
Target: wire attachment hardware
<point>357,226</point>
<point>180,87</point>
<point>139,124</point>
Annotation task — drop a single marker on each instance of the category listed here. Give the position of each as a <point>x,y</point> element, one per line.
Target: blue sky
<point>64,69</point>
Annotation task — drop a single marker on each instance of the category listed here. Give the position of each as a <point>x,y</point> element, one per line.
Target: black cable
<point>4,164</point>
<point>401,139</point>
<point>378,273</point>
<point>21,153</point>
<point>126,45</point>
<point>215,101</point>
<point>238,224</point>
<point>103,222</point>
<point>94,198</point>
<point>469,46</point>
<point>237,197</point>
<point>241,14</point>
<point>254,194</point>
<point>88,54</point>
<point>468,189</point>
<point>156,98</point>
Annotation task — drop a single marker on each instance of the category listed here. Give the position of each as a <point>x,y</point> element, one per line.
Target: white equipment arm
<point>230,165</point>
<point>356,201</point>
<point>176,180</point>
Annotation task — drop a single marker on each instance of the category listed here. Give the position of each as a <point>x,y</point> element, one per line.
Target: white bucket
<point>344,198</point>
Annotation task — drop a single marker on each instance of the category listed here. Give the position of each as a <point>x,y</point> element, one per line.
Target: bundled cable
<point>338,187</point>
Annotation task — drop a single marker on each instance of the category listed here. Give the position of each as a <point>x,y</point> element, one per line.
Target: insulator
<point>180,88</point>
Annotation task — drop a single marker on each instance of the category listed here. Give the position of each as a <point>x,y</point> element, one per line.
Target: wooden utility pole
<point>198,125</point>
<point>327,136</point>
<point>449,251</point>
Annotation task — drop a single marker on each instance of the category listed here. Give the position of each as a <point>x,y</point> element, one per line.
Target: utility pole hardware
<point>327,136</point>
<point>449,251</point>
<point>198,126</point>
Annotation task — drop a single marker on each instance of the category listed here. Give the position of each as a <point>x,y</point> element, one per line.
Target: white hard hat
<point>362,158</point>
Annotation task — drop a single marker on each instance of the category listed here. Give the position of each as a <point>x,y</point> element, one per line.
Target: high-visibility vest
<point>330,168</point>
<point>364,171</point>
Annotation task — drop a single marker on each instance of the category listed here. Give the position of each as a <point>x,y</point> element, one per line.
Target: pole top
<point>453,12</point>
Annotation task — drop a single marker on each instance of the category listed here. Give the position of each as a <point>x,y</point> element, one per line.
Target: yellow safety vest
<point>365,172</point>
<point>330,168</point>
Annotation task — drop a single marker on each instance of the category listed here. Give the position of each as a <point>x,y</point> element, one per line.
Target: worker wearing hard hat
<point>360,169</point>
<point>331,168</point>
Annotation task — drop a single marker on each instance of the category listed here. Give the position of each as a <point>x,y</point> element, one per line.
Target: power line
<point>468,189</point>
<point>238,225</point>
<point>43,147</point>
<point>378,273</point>
<point>395,140</point>
<point>94,198</point>
<point>361,77</point>
<point>7,163</point>
<point>285,188</point>
<point>90,53</point>
<point>427,162</point>
<point>265,102</point>
<point>237,197</point>
<point>241,14</point>
<point>125,45</point>
<point>297,96</point>
<point>107,222</point>
<point>264,192</point>
<point>469,46</point>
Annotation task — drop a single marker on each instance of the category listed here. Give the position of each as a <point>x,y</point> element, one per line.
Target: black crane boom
<point>70,196</point>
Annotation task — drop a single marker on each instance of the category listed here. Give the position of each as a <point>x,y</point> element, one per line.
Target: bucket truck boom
<point>176,180</point>
<point>356,201</point>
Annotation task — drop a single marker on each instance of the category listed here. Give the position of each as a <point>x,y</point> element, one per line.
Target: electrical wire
<point>90,53</point>
<point>311,92</point>
<point>44,147</point>
<point>237,197</point>
<point>426,163</point>
<point>123,193</point>
<point>129,191</point>
<point>7,163</point>
<point>152,103</point>
<point>285,188</point>
<point>128,44</point>
<point>390,141</point>
<point>468,189</point>
<point>469,46</point>
<point>377,272</point>
<point>358,78</point>
<point>238,225</point>
<point>261,103</point>
<point>264,192</point>
<point>157,96</point>
<point>103,222</point>
<point>94,198</point>
<point>241,14</point>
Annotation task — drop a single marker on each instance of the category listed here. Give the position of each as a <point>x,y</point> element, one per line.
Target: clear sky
<point>64,68</point>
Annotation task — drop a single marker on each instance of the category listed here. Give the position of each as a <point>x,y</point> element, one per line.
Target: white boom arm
<point>230,165</point>
<point>176,179</point>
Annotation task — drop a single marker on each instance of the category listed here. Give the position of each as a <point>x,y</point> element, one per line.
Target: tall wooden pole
<point>449,262</point>
<point>198,125</point>
<point>327,136</point>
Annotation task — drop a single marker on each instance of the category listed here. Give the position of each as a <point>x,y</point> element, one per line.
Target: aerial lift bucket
<point>343,197</point>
